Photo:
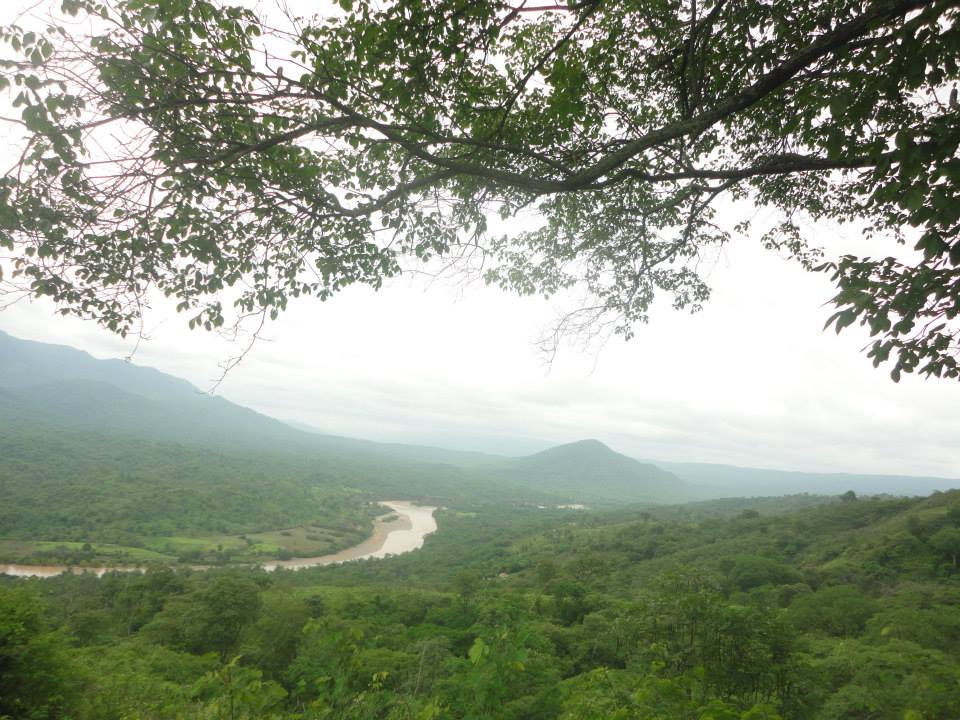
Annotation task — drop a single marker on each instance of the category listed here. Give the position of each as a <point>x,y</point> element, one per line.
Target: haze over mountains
<point>712,480</point>
<point>56,388</point>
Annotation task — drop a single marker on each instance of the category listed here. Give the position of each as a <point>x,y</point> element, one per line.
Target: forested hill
<point>136,499</point>
<point>136,465</point>
<point>70,388</point>
<point>711,481</point>
<point>728,611</point>
<point>65,389</point>
<point>591,471</point>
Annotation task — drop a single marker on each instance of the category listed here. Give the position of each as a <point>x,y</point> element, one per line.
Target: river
<point>404,533</point>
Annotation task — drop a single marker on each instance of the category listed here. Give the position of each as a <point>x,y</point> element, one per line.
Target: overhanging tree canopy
<point>191,147</point>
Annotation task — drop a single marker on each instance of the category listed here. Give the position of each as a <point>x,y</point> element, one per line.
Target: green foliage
<point>209,618</point>
<point>751,571</point>
<point>518,613</point>
<point>603,694</point>
<point>258,175</point>
<point>933,624</point>
<point>234,692</point>
<point>85,487</point>
<point>591,472</point>
<point>947,542</point>
<point>36,673</point>
<point>889,681</point>
<point>132,678</point>
<point>839,610</point>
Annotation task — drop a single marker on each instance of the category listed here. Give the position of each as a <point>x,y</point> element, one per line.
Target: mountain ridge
<point>592,471</point>
<point>714,480</point>
<point>65,386</point>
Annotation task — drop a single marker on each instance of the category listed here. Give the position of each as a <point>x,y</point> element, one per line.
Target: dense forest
<point>139,500</point>
<point>820,606</point>
<point>797,607</point>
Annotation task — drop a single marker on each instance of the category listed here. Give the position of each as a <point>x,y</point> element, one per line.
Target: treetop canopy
<point>193,148</point>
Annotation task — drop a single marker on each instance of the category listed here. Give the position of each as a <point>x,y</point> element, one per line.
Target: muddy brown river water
<point>406,532</point>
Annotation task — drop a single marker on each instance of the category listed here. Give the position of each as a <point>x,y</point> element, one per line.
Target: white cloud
<point>752,380</point>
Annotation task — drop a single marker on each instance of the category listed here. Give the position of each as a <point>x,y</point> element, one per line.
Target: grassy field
<point>77,553</point>
<point>301,541</point>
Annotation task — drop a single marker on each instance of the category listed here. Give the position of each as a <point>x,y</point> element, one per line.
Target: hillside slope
<point>714,481</point>
<point>589,471</point>
<point>69,388</point>
<point>103,451</point>
<point>73,486</point>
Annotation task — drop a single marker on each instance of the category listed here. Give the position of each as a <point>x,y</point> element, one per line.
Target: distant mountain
<point>25,363</point>
<point>420,453</point>
<point>716,481</point>
<point>199,421</point>
<point>54,388</point>
<point>490,444</point>
<point>70,388</point>
<point>589,471</point>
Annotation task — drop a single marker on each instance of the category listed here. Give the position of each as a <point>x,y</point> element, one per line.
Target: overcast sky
<point>752,380</point>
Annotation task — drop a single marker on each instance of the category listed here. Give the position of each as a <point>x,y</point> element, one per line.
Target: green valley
<point>774,609</point>
<point>492,375</point>
<point>572,583</point>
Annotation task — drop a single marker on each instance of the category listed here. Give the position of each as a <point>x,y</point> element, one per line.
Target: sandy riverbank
<point>406,531</point>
